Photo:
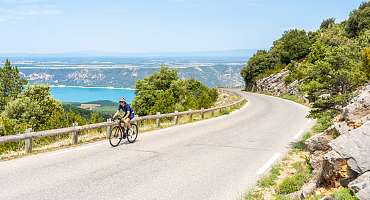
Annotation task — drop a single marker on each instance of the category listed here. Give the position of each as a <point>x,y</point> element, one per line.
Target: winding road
<point>214,159</point>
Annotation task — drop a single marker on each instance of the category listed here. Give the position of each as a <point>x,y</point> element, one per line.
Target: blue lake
<point>88,94</point>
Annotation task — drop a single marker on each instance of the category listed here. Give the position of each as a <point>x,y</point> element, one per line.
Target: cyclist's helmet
<point>122,99</point>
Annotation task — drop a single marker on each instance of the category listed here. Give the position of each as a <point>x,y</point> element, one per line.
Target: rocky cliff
<point>340,155</point>
<point>275,85</point>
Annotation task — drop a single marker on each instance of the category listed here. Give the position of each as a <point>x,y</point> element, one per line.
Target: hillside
<point>122,72</point>
<point>329,70</point>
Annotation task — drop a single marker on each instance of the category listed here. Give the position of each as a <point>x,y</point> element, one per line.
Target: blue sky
<point>55,26</point>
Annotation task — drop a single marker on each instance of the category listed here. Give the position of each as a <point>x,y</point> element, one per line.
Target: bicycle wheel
<point>115,136</point>
<point>132,133</point>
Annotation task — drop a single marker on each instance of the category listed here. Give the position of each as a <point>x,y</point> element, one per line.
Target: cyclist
<point>128,112</point>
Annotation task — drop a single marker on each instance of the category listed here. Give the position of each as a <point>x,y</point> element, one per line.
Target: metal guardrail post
<point>176,117</point>
<point>158,120</point>
<point>28,142</point>
<point>75,134</point>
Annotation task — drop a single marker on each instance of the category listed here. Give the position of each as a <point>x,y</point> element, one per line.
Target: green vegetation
<point>300,144</point>
<point>277,184</point>
<point>293,98</point>
<point>343,194</point>
<point>295,182</point>
<point>293,45</point>
<point>269,180</point>
<point>165,92</point>
<point>339,194</point>
<point>274,184</point>
<point>11,83</point>
<point>329,63</point>
<point>23,107</point>
<point>358,21</point>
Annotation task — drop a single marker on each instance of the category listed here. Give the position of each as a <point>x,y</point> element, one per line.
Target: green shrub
<point>300,145</point>
<point>269,180</point>
<point>165,92</point>
<point>291,184</point>
<point>343,194</point>
<point>323,121</point>
<point>292,98</point>
<point>254,195</point>
<point>295,182</point>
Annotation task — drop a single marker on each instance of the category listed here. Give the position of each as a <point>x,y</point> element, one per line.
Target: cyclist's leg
<point>127,122</point>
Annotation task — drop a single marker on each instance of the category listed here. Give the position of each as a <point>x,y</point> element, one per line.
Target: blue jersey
<point>127,109</point>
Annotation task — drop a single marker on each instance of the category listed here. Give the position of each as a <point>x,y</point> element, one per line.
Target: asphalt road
<point>215,159</point>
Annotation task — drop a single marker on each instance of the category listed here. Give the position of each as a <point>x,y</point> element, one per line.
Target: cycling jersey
<point>127,110</point>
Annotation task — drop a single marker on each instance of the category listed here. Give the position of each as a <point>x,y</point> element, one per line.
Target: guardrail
<point>75,129</point>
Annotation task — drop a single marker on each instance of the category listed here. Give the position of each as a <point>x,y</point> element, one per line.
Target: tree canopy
<point>165,92</point>
<point>329,63</point>
<point>292,46</point>
<point>358,20</point>
<point>11,83</point>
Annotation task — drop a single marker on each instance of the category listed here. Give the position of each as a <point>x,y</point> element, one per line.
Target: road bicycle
<point>120,131</point>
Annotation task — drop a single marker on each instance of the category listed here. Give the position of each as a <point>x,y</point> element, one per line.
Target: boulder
<point>358,111</point>
<point>316,160</point>
<point>333,169</point>
<point>361,186</point>
<point>355,147</point>
<point>308,189</point>
<point>342,127</point>
<point>318,142</point>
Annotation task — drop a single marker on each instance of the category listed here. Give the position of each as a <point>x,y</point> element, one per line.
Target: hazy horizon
<point>231,52</point>
<point>122,26</point>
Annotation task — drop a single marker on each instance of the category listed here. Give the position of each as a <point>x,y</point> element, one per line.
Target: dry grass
<point>287,175</point>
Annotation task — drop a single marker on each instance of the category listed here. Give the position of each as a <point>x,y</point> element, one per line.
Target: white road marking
<point>268,163</point>
<point>298,135</point>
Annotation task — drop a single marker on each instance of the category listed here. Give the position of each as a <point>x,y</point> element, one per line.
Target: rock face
<point>275,84</point>
<point>358,111</point>
<point>345,160</point>
<point>361,186</point>
<point>333,169</point>
<point>355,146</point>
<point>319,142</point>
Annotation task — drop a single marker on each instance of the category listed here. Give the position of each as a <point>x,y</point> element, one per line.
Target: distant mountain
<point>220,53</point>
<point>108,71</point>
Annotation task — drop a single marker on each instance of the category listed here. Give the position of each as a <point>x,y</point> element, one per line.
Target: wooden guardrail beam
<point>75,129</point>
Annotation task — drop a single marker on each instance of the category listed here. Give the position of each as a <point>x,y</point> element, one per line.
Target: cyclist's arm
<point>127,114</point>
<point>115,114</point>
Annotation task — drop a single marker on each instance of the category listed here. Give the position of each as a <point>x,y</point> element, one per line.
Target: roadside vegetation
<point>24,106</point>
<point>292,172</point>
<point>165,92</point>
<point>329,63</point>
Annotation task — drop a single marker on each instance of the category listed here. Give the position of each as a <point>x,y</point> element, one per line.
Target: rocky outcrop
<point>275,84</point>
<point>358,111</point>
<point>355,147</point>
<point>361,186</point>
<point>319,142</point>
<point>340,155</point>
